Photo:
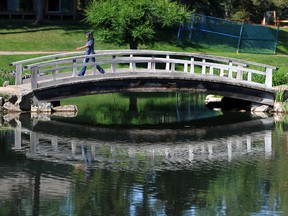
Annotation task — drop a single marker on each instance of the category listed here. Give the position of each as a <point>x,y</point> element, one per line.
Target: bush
<point>7,76</point>
<point>280,78</point>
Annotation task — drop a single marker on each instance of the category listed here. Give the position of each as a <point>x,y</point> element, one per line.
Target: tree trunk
<point>39,11</point>
<point>134,44</point>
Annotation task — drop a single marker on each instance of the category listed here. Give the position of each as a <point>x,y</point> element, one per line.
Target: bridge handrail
<point>143,60</point>
<point>113,57</point>
<point>141,52</point>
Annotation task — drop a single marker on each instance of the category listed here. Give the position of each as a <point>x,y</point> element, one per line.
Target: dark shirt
<point>90,49</point>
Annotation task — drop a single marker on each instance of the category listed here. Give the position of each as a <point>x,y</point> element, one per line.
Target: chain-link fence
<point>228,35</point>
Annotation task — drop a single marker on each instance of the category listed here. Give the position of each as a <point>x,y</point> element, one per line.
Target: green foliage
<point>280,96</point>
<point>132,22</point>
<point>65,36</point>
<point>7,76</point>
<point>241,16</point>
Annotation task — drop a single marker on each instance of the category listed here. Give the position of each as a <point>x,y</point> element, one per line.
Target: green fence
<point>228,35</point>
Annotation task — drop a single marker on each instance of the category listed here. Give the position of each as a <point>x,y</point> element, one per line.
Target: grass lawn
<point>67,35</point>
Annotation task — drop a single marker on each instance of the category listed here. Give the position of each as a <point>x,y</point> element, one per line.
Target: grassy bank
<point>66,36</point>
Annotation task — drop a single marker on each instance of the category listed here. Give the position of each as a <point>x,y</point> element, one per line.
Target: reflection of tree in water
<point>141,108</point>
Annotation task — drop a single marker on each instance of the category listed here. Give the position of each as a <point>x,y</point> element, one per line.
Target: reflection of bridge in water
<point>162,148</point>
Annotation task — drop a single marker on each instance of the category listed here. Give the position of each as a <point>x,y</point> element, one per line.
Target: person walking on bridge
<point>89,50</point>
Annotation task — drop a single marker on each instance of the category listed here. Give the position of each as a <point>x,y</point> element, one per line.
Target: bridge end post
<point>34,77</point>
<point>18,78</point>
<point>268,80</point>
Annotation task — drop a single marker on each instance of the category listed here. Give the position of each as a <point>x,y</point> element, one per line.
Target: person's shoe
<point>79,75</point>
<point>102,71</point>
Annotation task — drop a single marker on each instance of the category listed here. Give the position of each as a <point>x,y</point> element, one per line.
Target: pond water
<point>143,154</point>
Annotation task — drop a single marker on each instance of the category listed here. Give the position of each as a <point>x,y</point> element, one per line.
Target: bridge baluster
<point>131,64</point>
<point>149,66</point>
<point>203,66</point>
<point>113,65</point>
<point>230,75</point>
<point>240,72</point>
<point>74,70</point>
<point>55,72</point>
<point>173,67</point>
<point>211,71</point>
<point>185,67</point>
<point>94,69</point>
<point>249,76</point>
<point>167,63</point>
<point>221,72</point>
<point>153,64</point>
<point>192,66</point>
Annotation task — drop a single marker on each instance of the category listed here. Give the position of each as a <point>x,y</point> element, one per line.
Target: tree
<point>39,11</point>
<point>132,22</point>
<point>206,7</point>
<point>250,10</point>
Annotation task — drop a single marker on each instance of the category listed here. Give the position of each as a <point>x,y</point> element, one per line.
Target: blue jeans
<point>83,69</point>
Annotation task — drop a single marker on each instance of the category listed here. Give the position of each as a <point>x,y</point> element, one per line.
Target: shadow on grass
<point>282,47</point>
<point>27,26</point>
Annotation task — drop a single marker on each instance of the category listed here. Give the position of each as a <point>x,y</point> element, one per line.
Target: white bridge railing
<point>66,65</point>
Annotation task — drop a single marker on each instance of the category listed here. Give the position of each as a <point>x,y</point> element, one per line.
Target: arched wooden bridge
<point>54,77</point>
